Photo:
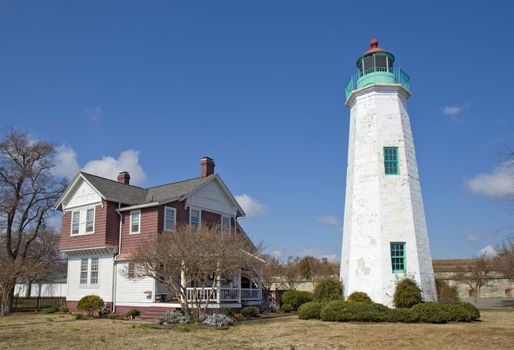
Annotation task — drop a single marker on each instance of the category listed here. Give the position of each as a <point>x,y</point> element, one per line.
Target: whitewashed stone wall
<point>380,208</point>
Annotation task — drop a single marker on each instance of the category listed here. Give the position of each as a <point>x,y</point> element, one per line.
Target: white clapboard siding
<point>212,197</point>
<point>104,286</point>
<point>133,290</point>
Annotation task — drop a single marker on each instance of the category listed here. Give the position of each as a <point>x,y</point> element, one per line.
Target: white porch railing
<point>249,294</point>
<point>211,293</point>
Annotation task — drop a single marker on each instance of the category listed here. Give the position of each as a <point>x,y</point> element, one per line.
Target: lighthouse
<point>385,235</point>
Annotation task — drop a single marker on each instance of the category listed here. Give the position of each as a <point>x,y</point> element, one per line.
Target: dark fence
<point>36,303</point>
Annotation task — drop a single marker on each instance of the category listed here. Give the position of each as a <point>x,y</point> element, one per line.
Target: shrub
<point>359,297</point>
<point>91,304</point>
<point>49,310</point>
<point>458,313</point>
<point>133,313</point>
<point>226,311</point>
<point>472,309</point>
<point>401,315</point>
<point>296,298</point>
<point>445,293</point>
<point>249,312</point>
<point>310,310</point>
<point>407,293</point>
<point>172,317</point>
<point>432,312</point>
<point>328,289</point>
<point>286,308</point>
<point>218,320</point>
<point>343,311</point>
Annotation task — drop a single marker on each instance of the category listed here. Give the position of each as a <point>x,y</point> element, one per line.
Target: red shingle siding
<point>105,234</point>
<point>148,226</point>
<point>210,218</point>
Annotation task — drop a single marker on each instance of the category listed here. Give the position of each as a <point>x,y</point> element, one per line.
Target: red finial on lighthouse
<point>373,43</point>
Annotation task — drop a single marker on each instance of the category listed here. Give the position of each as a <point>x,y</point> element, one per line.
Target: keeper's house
<point>104,221</point>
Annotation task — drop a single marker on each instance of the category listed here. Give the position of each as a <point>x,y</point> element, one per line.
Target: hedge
<point>296,298</point>
<point>310,310</point>
<point>359,297</point>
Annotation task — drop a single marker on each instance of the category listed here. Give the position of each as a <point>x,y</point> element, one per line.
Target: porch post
<point>183,281</point>
<point>260,283</point>
<point>239,284</point>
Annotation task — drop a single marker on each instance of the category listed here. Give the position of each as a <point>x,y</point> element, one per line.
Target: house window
<point>90,220</point>
<point>75,226</point>
<point>508,292</point>
<point>225,223</point>
<point>391,160</point>
<point>93,277</point>
<point>135,217</point>
<point>471,293</point>
<point>195,218</point>
<point>83,270</point>
<point>131,270</point>
<point>398,257</point>
<point>169,218</point>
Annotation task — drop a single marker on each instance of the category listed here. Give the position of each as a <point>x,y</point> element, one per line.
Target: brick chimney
<point>124,177</point>
<point>207,166</point>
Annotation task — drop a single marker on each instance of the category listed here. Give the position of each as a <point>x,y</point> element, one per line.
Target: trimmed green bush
<point>328,289</point>
<point>445,293</point>
<point>401,315</point>
<point>472,309</point>
<point>249,312</point>
<point>432,312</point>
<point>359,297</point>
<point>91,304</point>
<point>407,293</point>
<point>343,311</point>
<point>286,308</point>
<point>296,298</point>
<point>310,310</point>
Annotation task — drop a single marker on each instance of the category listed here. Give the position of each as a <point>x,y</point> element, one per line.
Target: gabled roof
<point>135,196</point>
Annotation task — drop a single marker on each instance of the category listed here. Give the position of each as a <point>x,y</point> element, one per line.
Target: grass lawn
<point>41,332</point>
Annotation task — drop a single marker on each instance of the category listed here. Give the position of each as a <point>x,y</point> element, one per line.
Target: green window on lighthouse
<point>398,257</point>
<point>391,160</point>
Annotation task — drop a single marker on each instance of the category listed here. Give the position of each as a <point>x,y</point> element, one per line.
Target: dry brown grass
<point>42,332</point>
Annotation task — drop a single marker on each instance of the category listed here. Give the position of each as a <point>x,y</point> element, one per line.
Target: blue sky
<point>259,86</point>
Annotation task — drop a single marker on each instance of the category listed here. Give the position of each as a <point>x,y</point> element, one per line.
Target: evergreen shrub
<point>407,293</point>
<point>328,289</point>
<point>310,310</point>
<point>359,297</point>
<point>91,304</point>
<point>296,298</point>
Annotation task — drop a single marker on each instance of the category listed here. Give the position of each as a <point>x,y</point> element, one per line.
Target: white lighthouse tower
<point>385,235</point>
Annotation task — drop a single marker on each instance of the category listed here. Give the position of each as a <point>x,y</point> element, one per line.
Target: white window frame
<point>82,223</point>
<point>138,224</point>
<point>73,214</point>
<point>199,216</point>
<point>229,228</point>
<point>91,271</point>
<point>174,219</point>
<point>93,226</point>
<point>84,281</point>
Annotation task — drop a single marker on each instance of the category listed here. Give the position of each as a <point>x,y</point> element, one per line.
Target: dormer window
<point>135,221</point>
<point>75,222</point>
<point>83,221</point>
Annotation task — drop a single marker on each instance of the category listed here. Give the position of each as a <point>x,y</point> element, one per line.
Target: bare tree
<point>504,260</point>
<point>191,261</point>
<point>270,271</point>
<point>291,272</point>
<point>476,274</point>
<point>313,269</point>
<point>28,190</point>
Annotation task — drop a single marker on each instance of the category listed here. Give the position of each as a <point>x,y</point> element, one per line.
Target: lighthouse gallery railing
<point>377,75</point>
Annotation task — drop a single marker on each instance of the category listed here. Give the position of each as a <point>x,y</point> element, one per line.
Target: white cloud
<point>487,251</point>
<point>452,110</point>
<point>109,167</point>
<point>251,206</point>
<point>329,220</point>
<point>474,236</point>
<point>66,164</point>
<point>94,113</point>
<point>497,184</point>
<point>277,253</point>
